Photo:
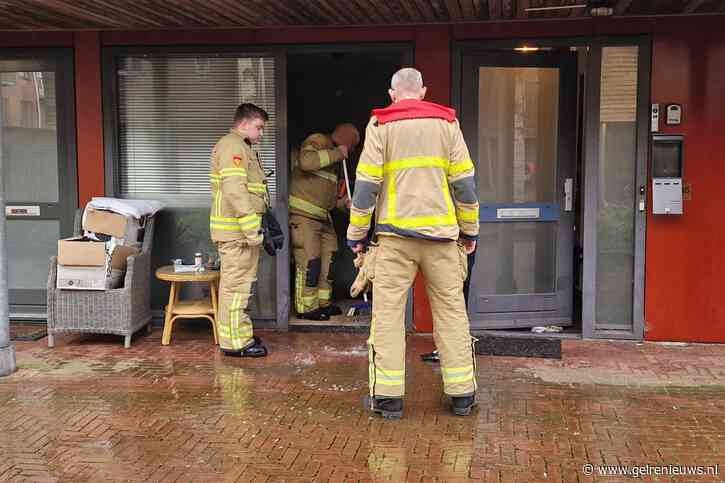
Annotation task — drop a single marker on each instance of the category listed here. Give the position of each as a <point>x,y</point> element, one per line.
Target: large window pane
<point>518,132</point>
<point>173,109</point>
<point>30,245</point>
<point>180,233</point>
<point>517,258</point>
<point>617,186</point>
<point>29,138</point>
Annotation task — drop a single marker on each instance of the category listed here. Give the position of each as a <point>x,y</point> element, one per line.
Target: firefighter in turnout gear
<point>416,174</point>
<point>313,193</point>
<point>240,197</point>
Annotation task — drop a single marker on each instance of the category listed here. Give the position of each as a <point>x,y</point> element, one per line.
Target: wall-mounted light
<point>526,49</point>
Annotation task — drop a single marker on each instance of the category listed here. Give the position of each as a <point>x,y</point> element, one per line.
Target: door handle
<point>568,194</point>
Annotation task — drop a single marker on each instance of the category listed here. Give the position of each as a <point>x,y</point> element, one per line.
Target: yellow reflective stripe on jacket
<point>325,174</point>
<point>420,221</point>
<point>360,220</point>
<point>460,168</point>
<point>228,172</point>
<point>250,222</point>
<point>470,216</point>
<point>257,187</point>
<point>456,375</point>
<point>370,170</point>
<point>246,223</point>
<point>324,158</point>
<point>218,225</point>
<point>416,162</point>
<point>225,219</point>
<point>307,207</point>
<point>216,204</point>
<point>417,221</point>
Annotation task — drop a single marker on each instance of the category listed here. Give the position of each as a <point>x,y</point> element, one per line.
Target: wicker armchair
<point>120,311</point>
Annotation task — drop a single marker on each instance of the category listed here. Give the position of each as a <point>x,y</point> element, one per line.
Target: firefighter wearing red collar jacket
<point>415,174</point>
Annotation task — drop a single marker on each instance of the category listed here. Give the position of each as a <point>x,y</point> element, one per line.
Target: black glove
<point>273,236</point>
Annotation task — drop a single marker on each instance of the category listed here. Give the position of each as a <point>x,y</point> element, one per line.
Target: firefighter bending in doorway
<point>313,193</point>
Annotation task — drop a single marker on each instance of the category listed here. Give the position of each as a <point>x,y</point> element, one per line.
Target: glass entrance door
<point>519,118</point>
<point>37,132</point>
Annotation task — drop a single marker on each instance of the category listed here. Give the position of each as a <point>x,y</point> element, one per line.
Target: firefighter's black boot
<point>331,310</point>
<point>253,349</point>
<point>388,408</point>
<point>462,405</point>
<point>318,314</point>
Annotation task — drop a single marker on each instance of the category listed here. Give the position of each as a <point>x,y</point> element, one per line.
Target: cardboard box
<point>81,252</point>
<point>88,278</point>
<point>125,229</point>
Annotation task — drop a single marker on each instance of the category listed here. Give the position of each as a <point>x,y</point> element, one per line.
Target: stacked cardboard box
<point>123,230</point>
<point>97,260</point>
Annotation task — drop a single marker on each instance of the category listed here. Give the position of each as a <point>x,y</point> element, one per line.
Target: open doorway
<point>323,90</point>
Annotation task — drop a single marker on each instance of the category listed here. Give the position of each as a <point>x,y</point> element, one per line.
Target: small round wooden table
<point>188,309</point>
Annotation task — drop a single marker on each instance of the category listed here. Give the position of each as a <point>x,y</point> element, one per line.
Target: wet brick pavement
<point>90,410</point>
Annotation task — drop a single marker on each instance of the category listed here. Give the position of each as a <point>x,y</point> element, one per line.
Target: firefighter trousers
<point>239,263</point>
<point>444,267</point>
<point>314,243</point>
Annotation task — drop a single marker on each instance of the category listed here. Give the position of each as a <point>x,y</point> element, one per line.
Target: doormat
<point>24,331</point>
<point>488,345</point>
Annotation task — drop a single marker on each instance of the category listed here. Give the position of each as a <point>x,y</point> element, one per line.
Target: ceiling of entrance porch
<point>210,14</point>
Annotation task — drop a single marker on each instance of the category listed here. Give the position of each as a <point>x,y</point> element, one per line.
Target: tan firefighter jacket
<point>313,188</point>
<point>239,191</point>
<point>418,175</point>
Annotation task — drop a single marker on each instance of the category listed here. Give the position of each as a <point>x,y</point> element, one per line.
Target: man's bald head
<point>407,83</point>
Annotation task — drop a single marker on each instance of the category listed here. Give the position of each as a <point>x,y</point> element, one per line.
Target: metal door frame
<point>591,188</point>
<point>111,141</point>
<point>25,303</point>
<point>533,308</point>
<point>591,159</point>
<point>279,52</point>
<point>407,52</point>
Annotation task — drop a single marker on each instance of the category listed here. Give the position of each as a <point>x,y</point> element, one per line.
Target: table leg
<point>166,337</point>
<point>214,306</point>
